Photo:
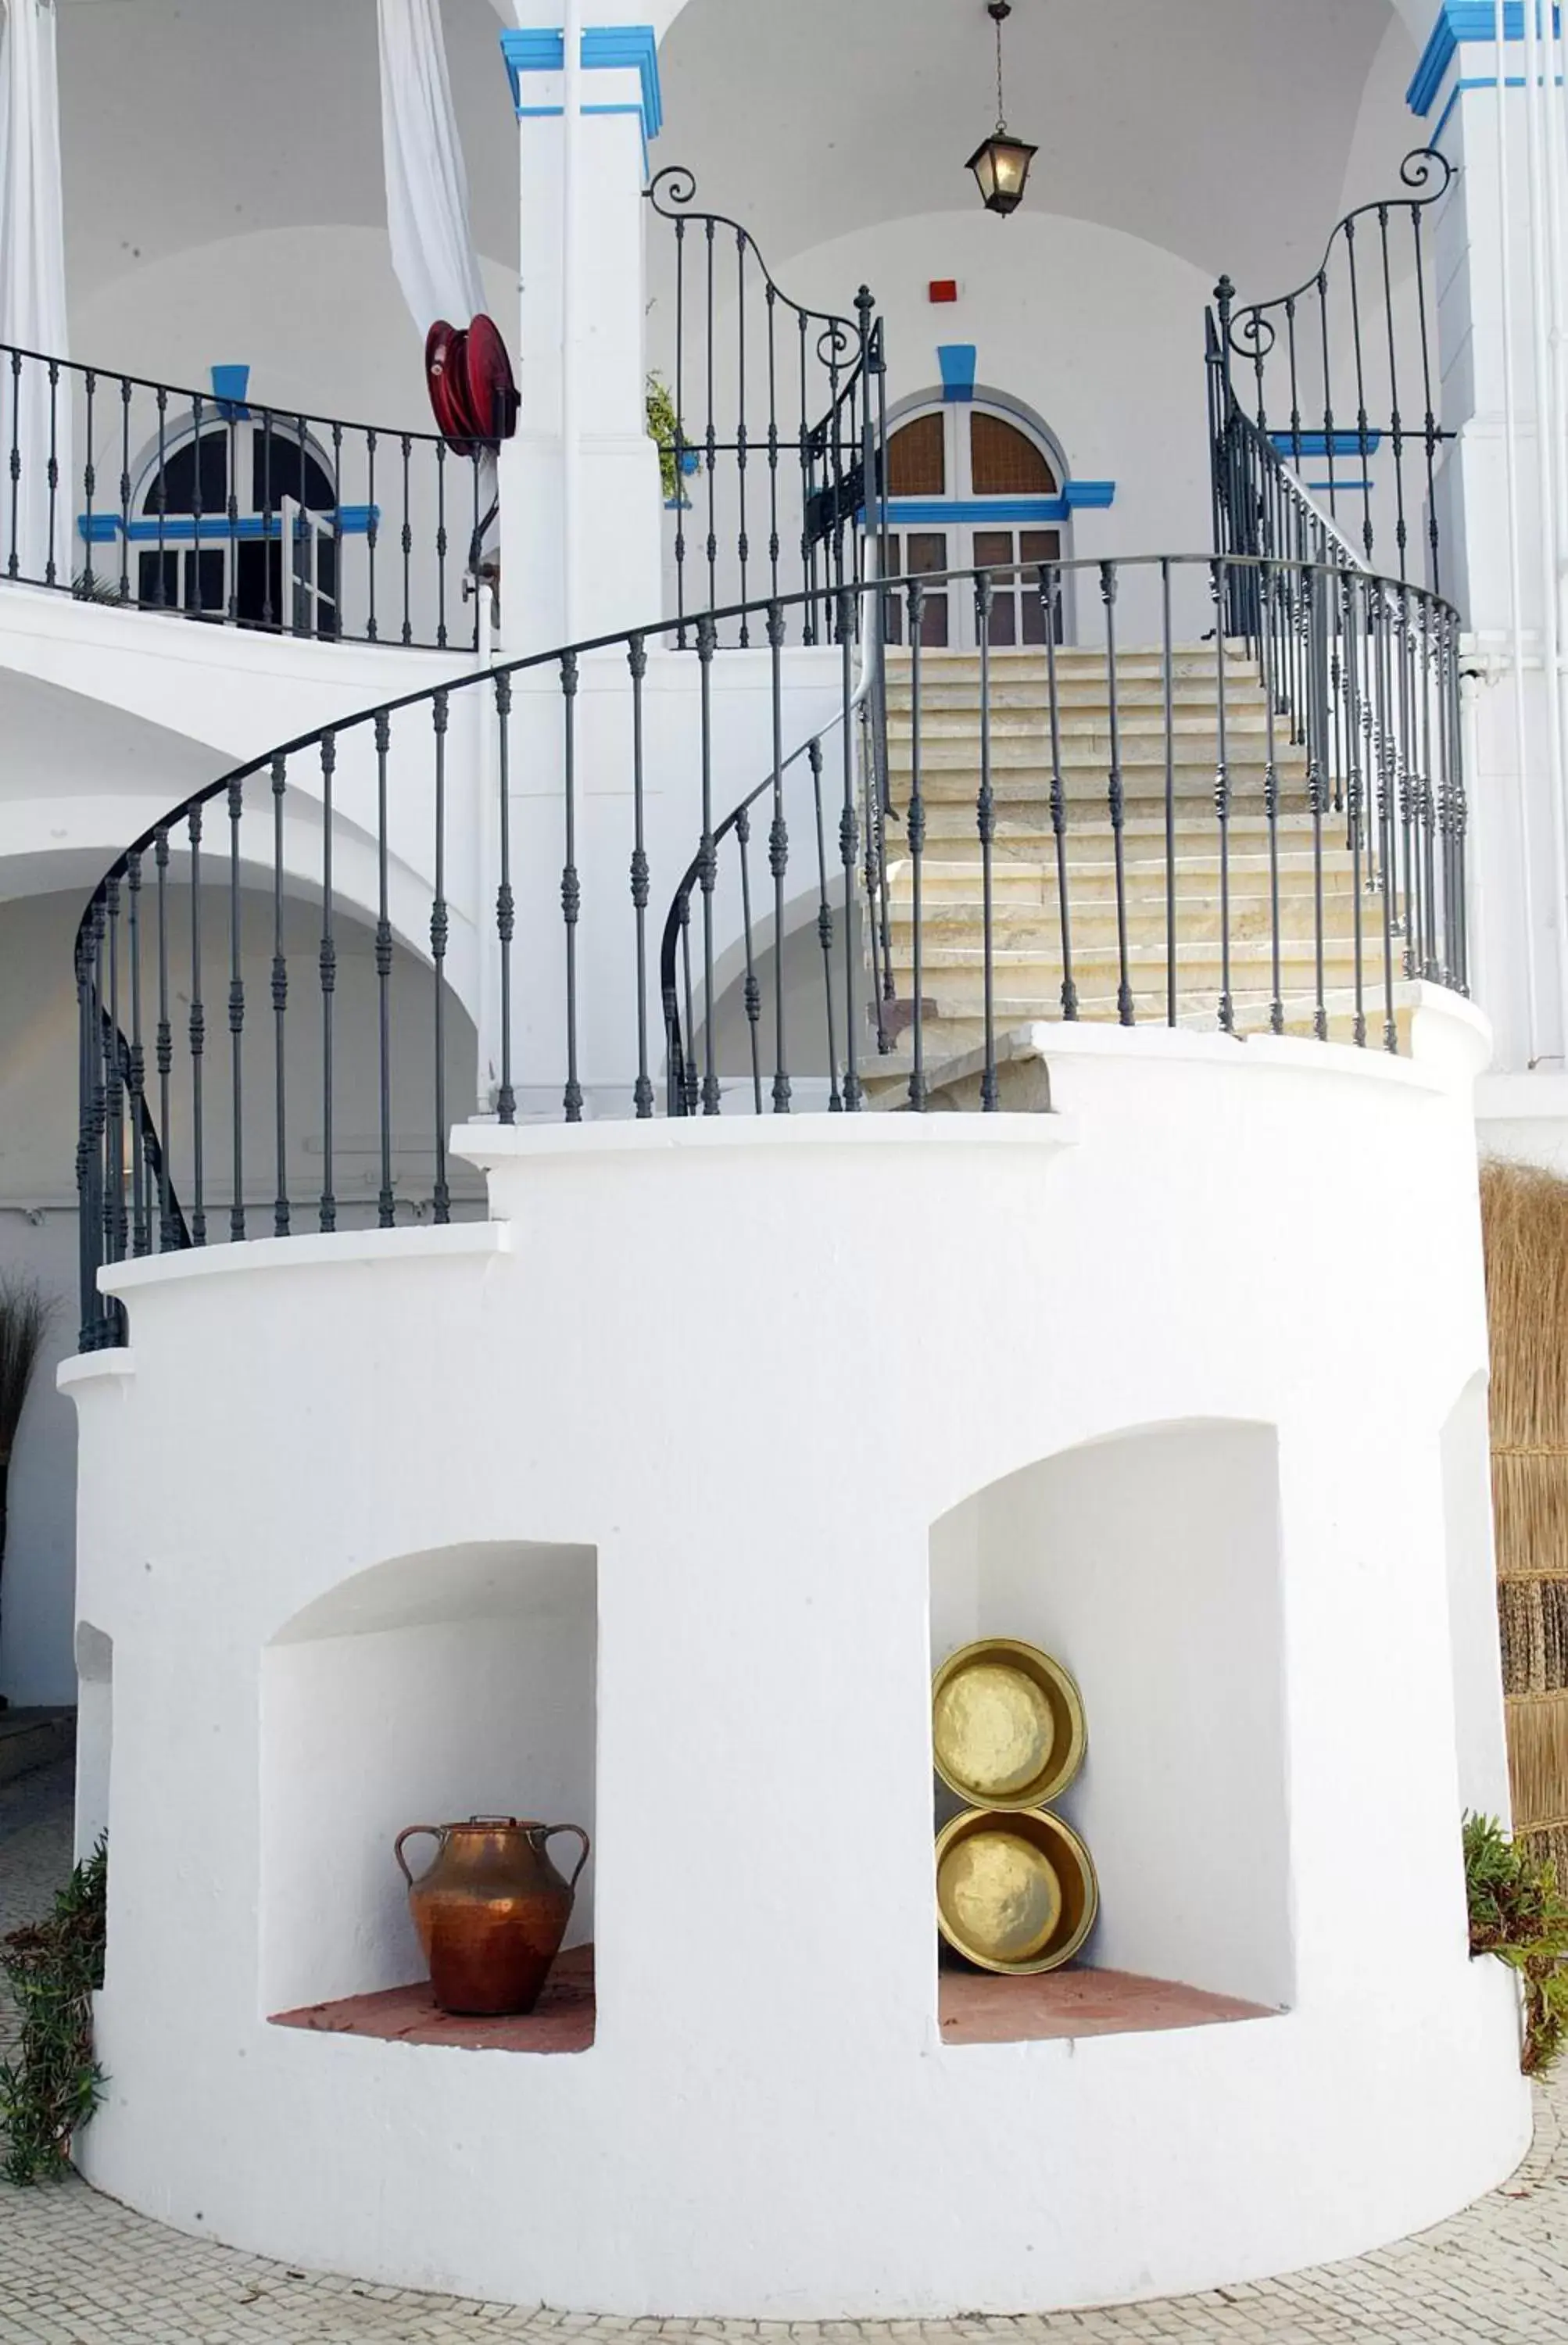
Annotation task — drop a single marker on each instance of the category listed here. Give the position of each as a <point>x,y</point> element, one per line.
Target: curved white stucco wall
<point>749,1365</point>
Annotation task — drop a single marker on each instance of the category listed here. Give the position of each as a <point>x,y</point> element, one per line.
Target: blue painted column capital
<point>606,48</point>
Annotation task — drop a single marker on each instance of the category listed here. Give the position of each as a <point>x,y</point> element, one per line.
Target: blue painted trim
<point>1341,488</point>
<point>1300,444</point>
<point>230,385</point>
<point>958,361</point>
<point>606,48</point>
<point>217,529</point>
<point>1459,20</point>
<point>1476,81</point>
<point>960,513</point>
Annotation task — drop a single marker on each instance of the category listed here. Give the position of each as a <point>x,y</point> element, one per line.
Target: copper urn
<point>490,1911</point>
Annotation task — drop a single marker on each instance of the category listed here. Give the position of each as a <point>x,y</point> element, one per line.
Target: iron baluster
<point>1049,588</point>
<point>1222,802</point>
<point>165,1045</point>
<point>386,1212</point>
<point>141,1230</point>
<point>327,1213</point>
<point>825,925</point>
<point>1116,797</point>
<point>280,1208</point>
<point>986,824</point>
<point>752,994</point>
<point>441,544</point>
<point>441,1198</point>
<point>914,834</point>
<point>571,888</point>
<point>89,486</point>
<point>1355,787</point>
<point>114,1084</point>
<point>198,1031</point>
<point>125,488</point>
<point>707,871</point>
<point>236,1010</point>
<point>405,539</point>
<point>638,663</point>
<point>506,903</point>
<point>778,856</point>
<point>1167,666</point>
<point>849,856</point>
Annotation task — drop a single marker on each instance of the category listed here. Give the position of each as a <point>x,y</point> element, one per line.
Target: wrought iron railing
<point>220,507</point>
<point>1338,379</point>
<point>778,413</point>
<point>1263,832</point>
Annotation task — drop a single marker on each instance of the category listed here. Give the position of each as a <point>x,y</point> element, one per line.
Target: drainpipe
<point>571,413</point>
<point>1515,582</point>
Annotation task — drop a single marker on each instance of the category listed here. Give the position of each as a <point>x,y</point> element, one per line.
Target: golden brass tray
<point>1015,1892</point>
<point>1007,1724</point>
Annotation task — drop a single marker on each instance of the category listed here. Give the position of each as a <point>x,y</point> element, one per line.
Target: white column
<point>37,531</point>
<point>1497,111</point>
<point>581,497</point>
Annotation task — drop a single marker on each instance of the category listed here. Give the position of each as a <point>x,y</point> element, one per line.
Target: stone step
<point>945,879</point>
<point>1022,930</point>
<point>953,1047</point>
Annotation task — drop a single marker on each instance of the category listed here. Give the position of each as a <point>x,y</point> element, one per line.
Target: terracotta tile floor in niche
<point>563,2021</point>
<point>979,2007</point>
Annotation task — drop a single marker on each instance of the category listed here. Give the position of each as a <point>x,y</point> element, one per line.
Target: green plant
<point>664,430</point>
<point>23,1318</point>
<point>87,586</point>
<point>51,2090</point>
<point>1517,1913</point>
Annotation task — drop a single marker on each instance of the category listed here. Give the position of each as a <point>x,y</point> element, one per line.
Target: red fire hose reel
<point>473,391</point>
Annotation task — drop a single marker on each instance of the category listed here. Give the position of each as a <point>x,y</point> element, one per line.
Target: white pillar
<point>581,500</point>
<point>1497,111</point>
<point>37,534</point>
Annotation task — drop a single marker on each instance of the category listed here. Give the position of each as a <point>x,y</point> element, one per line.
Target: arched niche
<point>1149,1564</point>
<point>429,1688</point>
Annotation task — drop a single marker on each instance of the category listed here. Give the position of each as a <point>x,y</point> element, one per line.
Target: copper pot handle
<point>436,1831</point>
<point>550,1831</point>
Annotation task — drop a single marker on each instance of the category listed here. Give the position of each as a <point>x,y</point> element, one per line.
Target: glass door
<point>968,488</point>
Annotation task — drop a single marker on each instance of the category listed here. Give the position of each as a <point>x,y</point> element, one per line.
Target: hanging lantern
<point>1000,163</point>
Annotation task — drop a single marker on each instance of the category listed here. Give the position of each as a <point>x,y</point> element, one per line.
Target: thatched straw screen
<point>1524,1216</point>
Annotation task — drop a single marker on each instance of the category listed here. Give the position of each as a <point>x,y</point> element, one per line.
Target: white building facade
<point>836,997</point>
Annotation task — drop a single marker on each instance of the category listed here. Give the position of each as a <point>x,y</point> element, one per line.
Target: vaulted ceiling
<point>1230,131</point>
<point>1227,130</point>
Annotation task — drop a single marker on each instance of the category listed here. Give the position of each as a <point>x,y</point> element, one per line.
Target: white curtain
<point>427,185</point>
<point>37,525</point>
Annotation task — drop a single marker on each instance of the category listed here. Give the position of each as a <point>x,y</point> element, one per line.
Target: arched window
<point>969,488</point>
<point>231,520</point>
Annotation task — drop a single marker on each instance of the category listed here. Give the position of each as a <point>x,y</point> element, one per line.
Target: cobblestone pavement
<point>76,2270</point>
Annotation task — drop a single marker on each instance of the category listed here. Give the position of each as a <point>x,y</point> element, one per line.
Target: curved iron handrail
<point>832,424</point>
<point>1369,372</point>
<point>1366,667</point>
<point>420,506</point>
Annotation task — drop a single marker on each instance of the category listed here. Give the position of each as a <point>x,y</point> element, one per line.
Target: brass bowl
<point>1007,1724</point>
<point>1014,1892</point>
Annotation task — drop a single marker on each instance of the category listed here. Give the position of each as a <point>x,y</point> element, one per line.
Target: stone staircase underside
<point>1330,915</point>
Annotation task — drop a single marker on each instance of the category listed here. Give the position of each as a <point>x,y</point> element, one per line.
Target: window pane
<point>281,468</point>
<point>206,580</point>
<point>178,477</point>
<point>157,581</point>
<point>1041,544</point>
<point>1004,619</point>
<point>917,458</point>
<point>1003,463</point>
<point>991,546</point>
<point>928,551</point>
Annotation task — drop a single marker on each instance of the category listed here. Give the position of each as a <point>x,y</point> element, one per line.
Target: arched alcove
<point>1149,1564</point>
<point>427,1689</point>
